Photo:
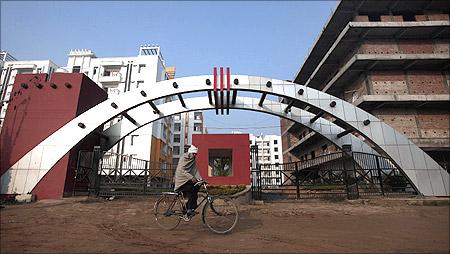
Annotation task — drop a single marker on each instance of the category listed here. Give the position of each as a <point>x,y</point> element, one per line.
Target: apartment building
<point>185,125</point>
<point>10,67</point>
<point>269,152</point>
<point>390,58</point>
<point>269,148</point>
<point>118,75</point>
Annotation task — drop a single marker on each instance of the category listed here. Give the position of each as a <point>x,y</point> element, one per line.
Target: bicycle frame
<point>180,196</point>
<point>207,203</point>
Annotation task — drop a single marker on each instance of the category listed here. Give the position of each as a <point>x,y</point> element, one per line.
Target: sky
<point>263,38</point>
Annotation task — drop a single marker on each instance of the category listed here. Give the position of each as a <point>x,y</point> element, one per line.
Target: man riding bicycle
<point>186,175</point>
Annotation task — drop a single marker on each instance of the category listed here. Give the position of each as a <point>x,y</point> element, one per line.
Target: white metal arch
<point>121,129</point>
<point>427,176</point>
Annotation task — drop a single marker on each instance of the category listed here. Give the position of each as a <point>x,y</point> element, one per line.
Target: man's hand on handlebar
<point>199,182</point>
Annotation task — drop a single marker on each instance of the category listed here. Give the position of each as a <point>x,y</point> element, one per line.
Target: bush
<point>395,183</point>
<point>225,190</point>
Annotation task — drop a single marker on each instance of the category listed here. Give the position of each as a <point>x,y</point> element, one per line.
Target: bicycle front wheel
<point>167,212</point>
<point>220,215</point>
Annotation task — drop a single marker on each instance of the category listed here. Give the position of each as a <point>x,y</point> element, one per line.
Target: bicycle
<point>219,214</point>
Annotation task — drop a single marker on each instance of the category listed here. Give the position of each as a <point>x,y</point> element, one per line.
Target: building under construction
<point>390,58</point>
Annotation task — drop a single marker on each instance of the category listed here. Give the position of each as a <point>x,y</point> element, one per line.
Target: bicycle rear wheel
<point>167,212</point>
<point>220,215</point>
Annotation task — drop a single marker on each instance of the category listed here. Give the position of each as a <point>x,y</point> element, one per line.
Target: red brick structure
<point>37,108</point>
<point>390,58</point>
<point>233,146</point>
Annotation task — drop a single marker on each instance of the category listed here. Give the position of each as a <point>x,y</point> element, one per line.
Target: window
<point>313,154</point>
<point>95,70</point>
<point>133,139</point>
<point>220,162</point>
<point>177,126</point>
<point>176,138</point>
<point>111,72</point>
<point>409,17</point>
<point>197,115</point>
<point>164,149</point>
<point>177,117</point>
<point>374,17</point>
<point>163,132</point>
<point>76,69</point>
<point>197,126</point>
<point>25,71</point>
<point>276,157</point>
<point>324,148</point>
<point>276,149</point>
<point>141,66</point>
<point>176,150</point>
<point>275,141</point>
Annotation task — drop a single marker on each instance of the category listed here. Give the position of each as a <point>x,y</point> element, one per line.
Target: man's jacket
<point>186,170</point>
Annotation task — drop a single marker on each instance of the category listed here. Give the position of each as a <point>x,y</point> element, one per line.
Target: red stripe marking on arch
<point>215,79</point>
<point>221,78</point>
<point>228,78</point>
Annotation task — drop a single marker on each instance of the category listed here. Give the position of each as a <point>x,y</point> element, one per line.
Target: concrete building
<point>5,57</point>
<point>269,152</point>
<point>117,75</point>
<point>185,125</point>
<point>269,148</point>
<point>10,68</point>
<point>390,58</point>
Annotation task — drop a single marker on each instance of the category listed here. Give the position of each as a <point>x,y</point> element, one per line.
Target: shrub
<point>225,190</point>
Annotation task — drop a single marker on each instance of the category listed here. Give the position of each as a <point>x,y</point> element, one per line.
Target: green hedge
<point>225,189</point>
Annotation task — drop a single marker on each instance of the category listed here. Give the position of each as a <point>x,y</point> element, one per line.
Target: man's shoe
<point>186,217</point>
<point>191,212</point>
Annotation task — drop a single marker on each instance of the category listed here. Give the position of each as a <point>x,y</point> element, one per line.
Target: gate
<point>255,173</point>
<point>112,174</point>
<point>338,175</point>
<point>86,180</point>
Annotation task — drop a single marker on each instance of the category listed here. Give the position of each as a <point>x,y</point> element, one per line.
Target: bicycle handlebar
<point>200,182</point>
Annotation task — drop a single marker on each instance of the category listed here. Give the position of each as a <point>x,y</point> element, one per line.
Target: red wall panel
<point>35,113</point>
<point>240,146</point>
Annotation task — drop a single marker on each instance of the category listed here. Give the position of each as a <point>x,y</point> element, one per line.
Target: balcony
<point>114,77</point>
<point>346,44</point>
<point>368,102</point>
<point>111,63</point>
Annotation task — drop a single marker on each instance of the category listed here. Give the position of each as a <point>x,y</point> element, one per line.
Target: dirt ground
<point>126,225</point>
